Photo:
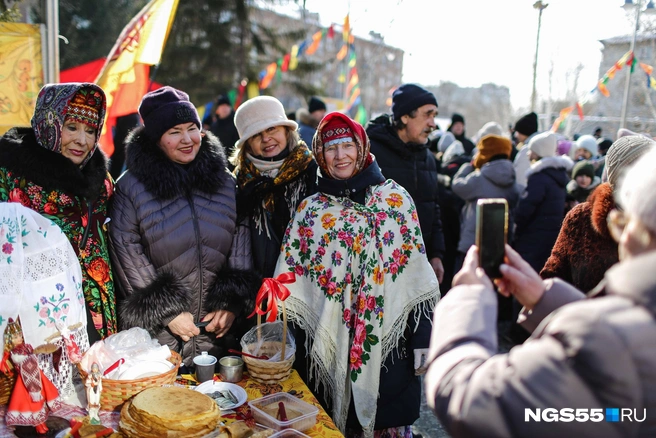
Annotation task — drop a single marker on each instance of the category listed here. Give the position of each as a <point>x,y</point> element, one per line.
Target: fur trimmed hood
<point>21,153</point>
<point>559,162</point>
<point>166,179</point>
<point>602,202</point>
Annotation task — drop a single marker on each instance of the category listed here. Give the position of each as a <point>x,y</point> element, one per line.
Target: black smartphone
<point>491,234</point>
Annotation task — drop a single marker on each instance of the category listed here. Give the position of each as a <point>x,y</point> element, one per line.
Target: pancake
<point>169,412</point>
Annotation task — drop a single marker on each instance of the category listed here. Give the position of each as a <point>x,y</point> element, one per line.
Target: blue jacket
<point>541,209</point>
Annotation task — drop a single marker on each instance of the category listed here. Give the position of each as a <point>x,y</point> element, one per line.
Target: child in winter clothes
<point>583,182</point>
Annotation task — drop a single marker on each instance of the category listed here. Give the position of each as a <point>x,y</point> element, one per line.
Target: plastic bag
<point>265,340</point>
<point>130,345</point>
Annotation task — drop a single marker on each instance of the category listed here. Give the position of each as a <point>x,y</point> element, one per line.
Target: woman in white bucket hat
<point>275,171</point>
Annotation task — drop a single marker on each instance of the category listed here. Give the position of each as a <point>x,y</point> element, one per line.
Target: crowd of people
<point>377,223</point>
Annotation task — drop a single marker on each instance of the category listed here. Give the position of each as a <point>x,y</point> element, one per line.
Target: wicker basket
<point>116,392</point>
<point>265,371</point>
<point>6,386</point>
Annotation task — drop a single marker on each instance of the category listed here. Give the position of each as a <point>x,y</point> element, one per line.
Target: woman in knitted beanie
<point>585,249</point>
<point>179,253</point>
<point>55,168</point>
<point>275,171</point>
<point>364,288</point>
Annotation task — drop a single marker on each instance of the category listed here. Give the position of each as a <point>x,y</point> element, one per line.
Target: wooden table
<point>325,427</point>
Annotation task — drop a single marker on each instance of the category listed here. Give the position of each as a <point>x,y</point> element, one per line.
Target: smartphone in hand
<point>491,234</point>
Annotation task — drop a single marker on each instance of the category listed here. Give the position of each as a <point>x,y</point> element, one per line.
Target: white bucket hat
<point>258,114</point>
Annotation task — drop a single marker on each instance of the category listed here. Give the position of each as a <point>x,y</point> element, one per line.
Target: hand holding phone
<point>491,234</point>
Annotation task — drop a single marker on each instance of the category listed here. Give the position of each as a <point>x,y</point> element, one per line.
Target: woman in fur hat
<point>55,168</point>
<point>363,289</point>
<point>585,249</point>
<point>180,255</point>
<point>275,171</point>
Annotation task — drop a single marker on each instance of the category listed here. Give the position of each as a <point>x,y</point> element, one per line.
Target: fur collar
<point>21,154</point>
<point>602,202</point>
<point>166,179</point>
<point>559,162</point>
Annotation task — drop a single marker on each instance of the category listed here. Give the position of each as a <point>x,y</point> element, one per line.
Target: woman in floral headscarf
<point>54,168</point>
<point>364,289</point>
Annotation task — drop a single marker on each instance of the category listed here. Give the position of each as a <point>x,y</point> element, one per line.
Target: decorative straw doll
<point>33,393</point>
<point>94,388</point>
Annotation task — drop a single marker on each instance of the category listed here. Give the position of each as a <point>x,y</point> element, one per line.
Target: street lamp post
<point>628,5</point>
<point>540,7</point>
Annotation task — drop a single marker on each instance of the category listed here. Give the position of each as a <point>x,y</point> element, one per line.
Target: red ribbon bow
<point>272,290</point>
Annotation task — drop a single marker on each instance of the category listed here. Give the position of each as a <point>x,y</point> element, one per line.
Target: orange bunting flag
<point>347,29</point>
<point>293,59</point>
<point>611,72</point>
<point>354,95</point>
<point>272,290</point>
<point>351,39</point>
<point>646,68</point>
<point>579,110</point>
<point>268,76</point>
<point>316,39</point>
<point>602,88</point>
<point>352,83</point>
<point>342,52</point>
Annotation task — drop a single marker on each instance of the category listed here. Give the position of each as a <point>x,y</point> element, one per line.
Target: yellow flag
<point>293,60</point>
<point>140,42</point>
<point>342,52</point>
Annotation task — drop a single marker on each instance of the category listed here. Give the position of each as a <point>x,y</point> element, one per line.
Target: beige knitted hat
<point>623,153</point>
<point>258,114</point>
<point>544,144</point>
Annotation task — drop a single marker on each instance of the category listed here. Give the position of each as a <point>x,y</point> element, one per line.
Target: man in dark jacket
<point>457,127</point>
<point>400,145</point>
<point>224,125</point>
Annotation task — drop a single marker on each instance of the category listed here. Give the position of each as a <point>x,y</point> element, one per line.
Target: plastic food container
<point>289,433</point>
<point>264,411</point>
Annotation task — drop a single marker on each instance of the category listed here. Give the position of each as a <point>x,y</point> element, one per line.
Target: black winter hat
<point>165,108</point>
<point>409,97</point>
<point>316,104</point>
<point>455,118</point>
<point>527,125</point>
<point>223,100</point>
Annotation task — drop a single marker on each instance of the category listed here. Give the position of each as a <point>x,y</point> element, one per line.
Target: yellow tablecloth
<point>325,428</point>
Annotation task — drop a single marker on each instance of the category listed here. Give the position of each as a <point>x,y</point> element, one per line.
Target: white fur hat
<point>489,128</point>
<point>258,114</point>
<point>544,144</point>
<point>588,143</point>
<point>455,149</point>
<point>445,141</point>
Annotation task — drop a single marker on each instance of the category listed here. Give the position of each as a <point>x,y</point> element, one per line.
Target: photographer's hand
<point>520,280</point>
<point>471,273</point>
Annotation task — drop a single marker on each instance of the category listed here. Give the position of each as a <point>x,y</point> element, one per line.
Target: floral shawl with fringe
<point>360,271</point>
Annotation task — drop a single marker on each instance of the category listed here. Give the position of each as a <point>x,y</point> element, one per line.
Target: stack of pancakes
<point>169,412</point>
